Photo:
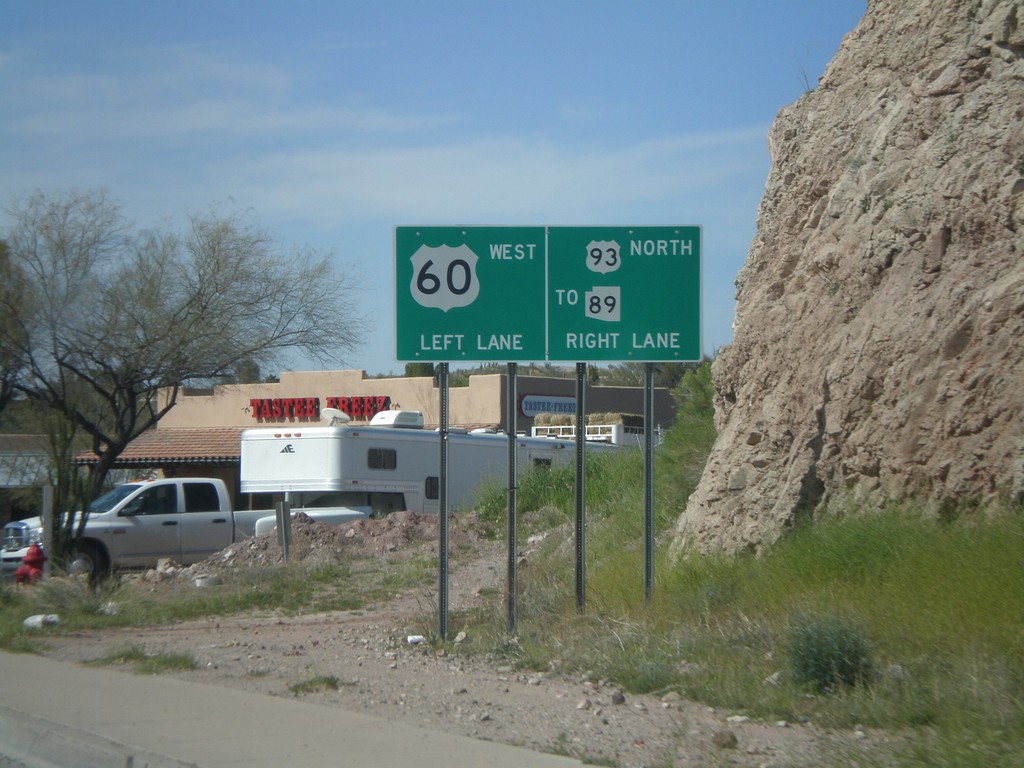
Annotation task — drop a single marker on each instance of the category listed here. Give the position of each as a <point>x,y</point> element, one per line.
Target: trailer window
<point>432,488</point>
<point>382,458</point>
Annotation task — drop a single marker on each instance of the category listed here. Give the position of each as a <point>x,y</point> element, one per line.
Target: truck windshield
<point>111,498</point>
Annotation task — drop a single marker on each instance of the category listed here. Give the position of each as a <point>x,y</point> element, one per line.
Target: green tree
<point>631,374</point>
<point>245,372</point>
<point>413,370</point>
<point>689,441</point>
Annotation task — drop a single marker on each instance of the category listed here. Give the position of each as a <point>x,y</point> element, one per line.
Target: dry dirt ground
<point>463,689</point>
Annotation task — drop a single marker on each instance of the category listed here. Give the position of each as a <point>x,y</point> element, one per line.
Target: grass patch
<point>316,684</point>
<point>145,663</point>
<point>889,620</point>
<point>386,577</point>
<point>287,590</point>
<point>885,618</point>
<point>545,492</point>
<point>14,609</point>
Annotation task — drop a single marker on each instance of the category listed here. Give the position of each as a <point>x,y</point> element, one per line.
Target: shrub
<point>828,651</point>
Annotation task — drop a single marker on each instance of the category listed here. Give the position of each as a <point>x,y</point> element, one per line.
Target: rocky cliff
<point>878,345</point>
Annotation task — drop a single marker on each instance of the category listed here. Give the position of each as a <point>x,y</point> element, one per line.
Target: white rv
<point>344,472</point>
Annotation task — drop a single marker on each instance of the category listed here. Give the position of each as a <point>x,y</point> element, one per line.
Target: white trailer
<point>392,464</point>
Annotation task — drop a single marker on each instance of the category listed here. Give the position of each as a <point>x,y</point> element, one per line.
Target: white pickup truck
<point>136,524</point>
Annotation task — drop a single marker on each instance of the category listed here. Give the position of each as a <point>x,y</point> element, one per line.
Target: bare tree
<point>12,360</point>
<point>104,316</point>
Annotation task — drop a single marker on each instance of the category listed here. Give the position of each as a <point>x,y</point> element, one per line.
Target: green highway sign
<point>527,294</point>
<point>469,293</point>
<point>624,293</point>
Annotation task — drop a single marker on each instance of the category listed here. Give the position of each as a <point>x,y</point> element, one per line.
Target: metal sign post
<point>648,482</point>
<point>581,434</point>
<point>284,526</point>
<point>442,512</point>
<point>511,412</point>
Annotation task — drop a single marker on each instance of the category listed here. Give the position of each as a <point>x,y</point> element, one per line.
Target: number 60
<point>458,278</point>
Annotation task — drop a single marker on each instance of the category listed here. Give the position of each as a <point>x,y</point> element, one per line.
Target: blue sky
<point>335,121</point>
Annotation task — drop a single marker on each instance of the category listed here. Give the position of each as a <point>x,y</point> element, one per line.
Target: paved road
<point>59,714</point>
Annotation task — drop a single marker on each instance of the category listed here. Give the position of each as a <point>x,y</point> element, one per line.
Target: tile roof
<point>208,445</point>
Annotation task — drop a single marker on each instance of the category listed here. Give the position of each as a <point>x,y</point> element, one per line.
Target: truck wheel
<point>91,560</point>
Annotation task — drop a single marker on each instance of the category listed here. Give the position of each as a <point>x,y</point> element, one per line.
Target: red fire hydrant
<point>31,567</point>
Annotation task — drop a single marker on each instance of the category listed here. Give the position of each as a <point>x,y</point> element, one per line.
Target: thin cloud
<point>341,160</point>
<point>496,176</point>
<point>181,92</point>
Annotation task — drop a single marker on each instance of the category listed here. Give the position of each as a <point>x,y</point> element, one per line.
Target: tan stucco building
<point>299,396</point>
<point>200,435</point>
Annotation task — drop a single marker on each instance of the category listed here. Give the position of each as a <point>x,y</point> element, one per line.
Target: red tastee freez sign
<point>282,408</point>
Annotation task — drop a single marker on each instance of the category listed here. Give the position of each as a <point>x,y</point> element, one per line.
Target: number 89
<point>598,304</point>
